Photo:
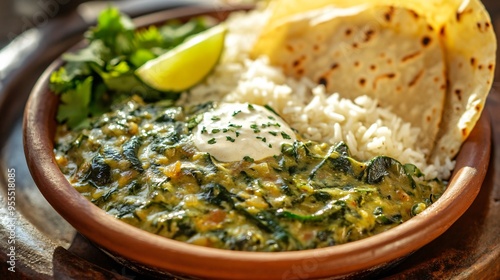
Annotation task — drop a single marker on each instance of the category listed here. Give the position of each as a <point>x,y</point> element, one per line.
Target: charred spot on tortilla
<point>464,12</point>
<point>416,79</point>
<point>323,81</point>
<point>410,56</point>
<point>426,41</point>
<point>362,82</point>
<point>472,61</point>
<point>389,14</point>
<point>464,132</point>
<point>442,31</point>
<point>368,35</point>
<point>458,93</point>
<point>483,27</point>
<point>414,14</point>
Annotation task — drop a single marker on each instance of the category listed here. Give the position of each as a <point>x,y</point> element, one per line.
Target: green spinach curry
<point>140,164</point>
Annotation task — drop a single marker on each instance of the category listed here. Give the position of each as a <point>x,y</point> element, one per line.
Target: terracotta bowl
<point>164,255</point>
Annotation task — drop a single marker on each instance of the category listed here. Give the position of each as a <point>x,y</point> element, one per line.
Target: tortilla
<point>348,51</point>
<point>470,45</point>
<point>450,86</point>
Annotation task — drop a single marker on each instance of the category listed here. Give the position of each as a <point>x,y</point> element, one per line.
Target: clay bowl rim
<point>180,258</point>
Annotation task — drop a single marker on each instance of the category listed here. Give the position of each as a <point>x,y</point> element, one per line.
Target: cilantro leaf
<point>74,107</point>
<point>61,81</point>
<point>116,30</point>
<point>175,32</point>
<point>148,38</point>
<point>95,52</point>
<point>141,56</point>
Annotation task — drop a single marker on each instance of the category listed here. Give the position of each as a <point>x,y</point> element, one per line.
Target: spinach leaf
<point>99,173</point>
<point>381,167</point>
<point>331,208</point>
<point>342,149</point>
<point>130,149</point>
<point>217,194</point>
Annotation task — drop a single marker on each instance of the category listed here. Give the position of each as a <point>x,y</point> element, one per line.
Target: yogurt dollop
<point>236,131</point>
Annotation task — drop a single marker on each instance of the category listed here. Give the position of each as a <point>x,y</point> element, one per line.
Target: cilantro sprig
<point>103,71</point>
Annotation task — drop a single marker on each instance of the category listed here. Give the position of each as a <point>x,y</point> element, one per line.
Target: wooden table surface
<point>51,249</point>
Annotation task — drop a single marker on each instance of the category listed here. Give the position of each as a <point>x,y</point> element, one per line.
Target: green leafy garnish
<point>104,71</point>
<point>75,103</point>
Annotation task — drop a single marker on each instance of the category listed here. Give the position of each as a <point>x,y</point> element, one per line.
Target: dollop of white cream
<point>236,131</point>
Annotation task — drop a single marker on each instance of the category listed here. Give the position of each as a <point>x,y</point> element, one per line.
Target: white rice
<point>317,115</point>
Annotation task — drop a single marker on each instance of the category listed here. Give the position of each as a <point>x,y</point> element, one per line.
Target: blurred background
<point>18,16</point>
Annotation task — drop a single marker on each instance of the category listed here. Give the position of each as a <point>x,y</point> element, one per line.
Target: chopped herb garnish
<point>263,139</point>
<point>247,158</point>
<point>250,107</point>
<point>215,118</point>
<point>255,128</point>
<point>270,145</point>
<point>235,125</point>
<point>212,141</point>
<point>271,109</point>
<point>274,133</point>
<point>271,118</point>
<point>285,136</point>
<point>204,130</point>
<point>229,138</point>
<point>215,130</point>
<point>235,113</point>
<point>237,133</point>
<point>273,124</point>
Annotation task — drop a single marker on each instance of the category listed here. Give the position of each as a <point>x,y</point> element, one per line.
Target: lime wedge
<point>187,64</point>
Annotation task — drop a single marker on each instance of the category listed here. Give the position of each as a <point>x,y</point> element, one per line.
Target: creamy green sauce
<point>141,164</point>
